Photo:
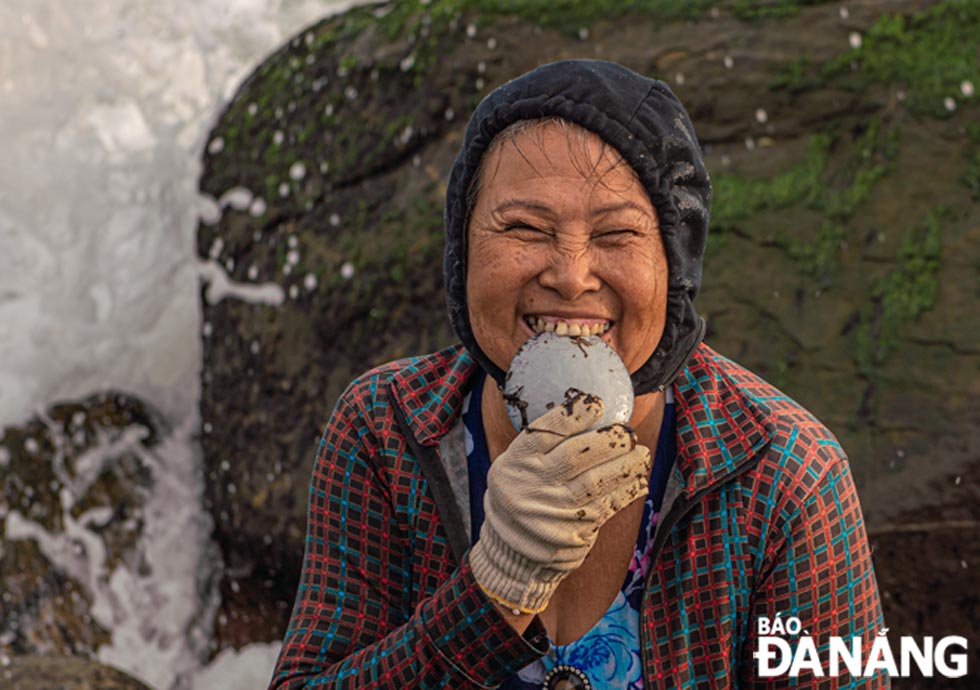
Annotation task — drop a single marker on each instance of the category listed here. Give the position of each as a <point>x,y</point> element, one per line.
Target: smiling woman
<point>445,549</point>
<point>563,233</point>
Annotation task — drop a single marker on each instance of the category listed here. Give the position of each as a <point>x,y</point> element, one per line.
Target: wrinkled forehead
<point>543,145</point>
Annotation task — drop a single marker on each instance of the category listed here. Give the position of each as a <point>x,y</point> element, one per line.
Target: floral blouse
<point>608,655</point>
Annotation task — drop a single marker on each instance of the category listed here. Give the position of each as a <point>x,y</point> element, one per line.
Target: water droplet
<point>258,207</point>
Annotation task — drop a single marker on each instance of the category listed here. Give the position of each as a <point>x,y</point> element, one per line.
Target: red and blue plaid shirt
<point>760,519</point>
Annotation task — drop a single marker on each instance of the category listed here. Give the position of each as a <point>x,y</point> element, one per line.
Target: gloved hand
<point>547,496</point>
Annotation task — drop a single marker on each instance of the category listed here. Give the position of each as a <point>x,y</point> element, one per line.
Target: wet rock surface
<point>843,262</point>
<point>62,673</point>
<point>72,487</point>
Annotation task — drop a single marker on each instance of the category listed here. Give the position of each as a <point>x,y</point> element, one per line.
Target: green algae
<point>811,183</point>
<point>872,158</point>
<point>903,294</point>
<point>929,55</point>
<point>736,198</point>
<point>971,172</point>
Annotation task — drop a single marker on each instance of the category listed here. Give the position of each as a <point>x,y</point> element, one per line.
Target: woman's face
<point>563,237</point>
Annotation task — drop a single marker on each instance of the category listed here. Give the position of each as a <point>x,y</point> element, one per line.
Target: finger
<point>634,489</point>
<point>606,479</point>
<point>582,452</point>
<point>577,413</point>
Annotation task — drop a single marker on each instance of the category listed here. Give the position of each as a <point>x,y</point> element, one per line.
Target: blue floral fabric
<point>609,653</point>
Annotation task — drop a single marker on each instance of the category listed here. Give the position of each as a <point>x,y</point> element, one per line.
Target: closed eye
<point>524,227</point>
<point>622,233</point>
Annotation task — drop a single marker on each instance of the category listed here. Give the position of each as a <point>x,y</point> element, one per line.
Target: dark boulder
<point>73,484</point>
<point>842,263</point>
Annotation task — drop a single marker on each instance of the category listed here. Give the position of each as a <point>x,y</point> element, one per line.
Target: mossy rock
<point>72,489</point>
<point>63,673</point>
<point>330,164</point>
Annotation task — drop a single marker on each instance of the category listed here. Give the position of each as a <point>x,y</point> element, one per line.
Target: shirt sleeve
<point>354,623</point>
<point>819,572</point>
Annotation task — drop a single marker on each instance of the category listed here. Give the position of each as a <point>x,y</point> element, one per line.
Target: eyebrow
<point>532,205</point>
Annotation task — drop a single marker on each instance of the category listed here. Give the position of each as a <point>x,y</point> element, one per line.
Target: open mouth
<point>570,327</point>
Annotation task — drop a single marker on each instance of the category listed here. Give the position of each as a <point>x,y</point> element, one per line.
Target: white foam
<point>102,140</point>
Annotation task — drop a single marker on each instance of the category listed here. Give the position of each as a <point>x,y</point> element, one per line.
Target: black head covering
<point>646,123</point>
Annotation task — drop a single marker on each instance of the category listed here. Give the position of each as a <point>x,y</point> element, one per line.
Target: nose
<point>571,273</point>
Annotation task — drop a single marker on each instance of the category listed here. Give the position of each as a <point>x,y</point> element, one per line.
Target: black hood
<point>646,123</point>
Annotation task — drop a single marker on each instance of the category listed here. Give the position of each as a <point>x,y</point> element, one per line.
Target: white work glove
<point>547,496</point>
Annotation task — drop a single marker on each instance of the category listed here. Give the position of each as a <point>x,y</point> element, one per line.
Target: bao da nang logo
<point>778,656</point>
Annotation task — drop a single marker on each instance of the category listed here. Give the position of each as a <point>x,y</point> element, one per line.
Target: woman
<point>444,549</point>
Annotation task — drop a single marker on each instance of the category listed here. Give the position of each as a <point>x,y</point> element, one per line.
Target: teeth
<point>539,325</point>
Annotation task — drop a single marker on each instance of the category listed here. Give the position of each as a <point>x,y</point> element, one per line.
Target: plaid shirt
<point>760,518</point>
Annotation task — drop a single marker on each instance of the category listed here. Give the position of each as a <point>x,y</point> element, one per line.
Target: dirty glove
<point>547,496</point>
